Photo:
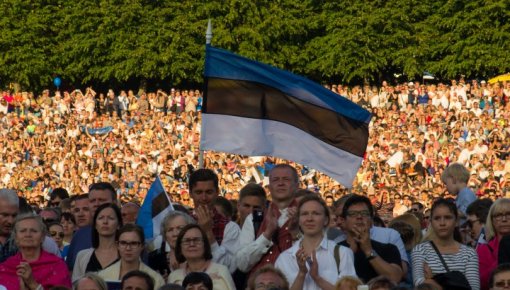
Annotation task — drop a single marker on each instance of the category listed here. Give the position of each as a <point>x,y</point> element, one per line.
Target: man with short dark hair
<point>80,208</point>
<point>371,258</point>
<point>99,193</point>
<point>251,197</point>
<point>476,215</point>
<point>137,280</point>
<point>221,232</point>
<point>417,207</point>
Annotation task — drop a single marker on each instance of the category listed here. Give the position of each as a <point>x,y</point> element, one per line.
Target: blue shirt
<point>465,197</point>
<point>82,240</point>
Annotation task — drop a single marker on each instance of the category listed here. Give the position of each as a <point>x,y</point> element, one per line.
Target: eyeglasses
<point>499,216</point>
<point>54,234</point>
<point>190,241</point>
<point>127,244</point>
<point>360,213</point>
<point>502,283</point>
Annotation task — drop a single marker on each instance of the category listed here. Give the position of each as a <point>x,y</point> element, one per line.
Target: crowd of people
<point>84,162</point>
<point>286,238</point>
<point>73,139</point>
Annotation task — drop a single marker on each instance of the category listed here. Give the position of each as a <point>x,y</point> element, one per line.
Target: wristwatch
<point>372,255</point>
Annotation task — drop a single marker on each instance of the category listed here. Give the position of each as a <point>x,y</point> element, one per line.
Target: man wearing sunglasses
<point>500,278</point>
<point>476,215</point>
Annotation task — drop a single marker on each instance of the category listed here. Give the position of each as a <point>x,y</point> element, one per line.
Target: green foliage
<point>103,41</point>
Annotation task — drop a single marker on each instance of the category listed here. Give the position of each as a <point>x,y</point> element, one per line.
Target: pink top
<point>49,270</point>
<point>487,260</point>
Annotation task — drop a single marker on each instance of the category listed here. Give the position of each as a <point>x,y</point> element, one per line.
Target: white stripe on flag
<point>258,137</point>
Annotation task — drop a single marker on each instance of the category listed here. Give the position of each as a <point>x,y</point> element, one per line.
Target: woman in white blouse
<point>310,263</point>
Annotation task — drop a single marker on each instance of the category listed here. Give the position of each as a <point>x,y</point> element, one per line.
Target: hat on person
<point>483,82</point>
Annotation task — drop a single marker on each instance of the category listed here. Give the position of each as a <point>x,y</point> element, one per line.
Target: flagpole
<point>208,38</point>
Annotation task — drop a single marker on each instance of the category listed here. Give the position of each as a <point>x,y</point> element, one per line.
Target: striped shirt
<point>464,261</point>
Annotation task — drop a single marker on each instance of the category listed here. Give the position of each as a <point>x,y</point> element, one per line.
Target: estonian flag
<point>252,108</point>
<point>154,208</point>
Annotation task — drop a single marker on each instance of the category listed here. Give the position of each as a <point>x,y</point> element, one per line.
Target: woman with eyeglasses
<point>312,263</point>
<point>193,251</point>
<point>107,220</point>
<point>440,252</point>
<point>130,244</point>
<point>497,226</point>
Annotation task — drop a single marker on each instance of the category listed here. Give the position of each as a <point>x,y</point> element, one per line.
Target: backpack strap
<point>337,257</point>
<point>440,256</point>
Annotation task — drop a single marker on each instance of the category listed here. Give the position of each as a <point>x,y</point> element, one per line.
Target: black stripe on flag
<point>254,100</point>
<point>159,203</point>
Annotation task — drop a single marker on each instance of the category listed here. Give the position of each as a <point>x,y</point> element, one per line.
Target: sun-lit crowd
<point>436,177</point>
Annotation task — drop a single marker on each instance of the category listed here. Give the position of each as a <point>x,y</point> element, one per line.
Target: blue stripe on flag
<point>224,64</point>
<point>146,214</point>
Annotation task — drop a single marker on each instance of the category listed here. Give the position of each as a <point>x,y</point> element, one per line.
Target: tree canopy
<point>347,41</point>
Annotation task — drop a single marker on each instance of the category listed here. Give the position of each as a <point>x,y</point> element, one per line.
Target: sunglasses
<point>54,234</point>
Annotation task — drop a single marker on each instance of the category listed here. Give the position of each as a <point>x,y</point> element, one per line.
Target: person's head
<point>338,208</point>
<point>498,219</point>
<point>192,242</point>
<point>29,231</point>
<point>348,283</point>
<point>500,277</point>
<point>56,231</point>
<point>313,215</point>
<point>8,211</point>
<point>172,224</point>
<point>223,206</point>
<point>251,197</point>
<point>49,214</point>
<point>443,218</point>
<point>137,280</point>
<point>476,216</point>
<point>80,208</point>
<point>197,281</point>
<point>56,196</point>
<point>68,223</point>
<point>130,212</point>
<point>107,220</point>
<point>203,187</point>
<point>268,277</point>
<point>130,241</point>
<point>283,182</point>
<point>412,221</point>
<point>357,213</point>
<point>455,177</point>
<point>90,281</point>
<point>101,193</point>
<point>417,207</point>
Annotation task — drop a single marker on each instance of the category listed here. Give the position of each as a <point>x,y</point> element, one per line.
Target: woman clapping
<point>310,263</point>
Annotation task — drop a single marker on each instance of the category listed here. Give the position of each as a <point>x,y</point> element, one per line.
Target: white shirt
<point>328,268</point>
<point>225,253</point>
<point>251,250</point>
